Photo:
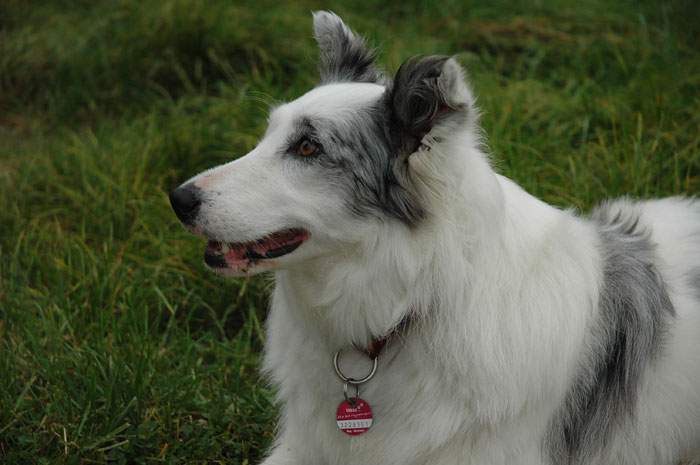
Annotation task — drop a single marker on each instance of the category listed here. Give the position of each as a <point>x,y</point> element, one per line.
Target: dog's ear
<point>344,56</point>
<point>427,92</point>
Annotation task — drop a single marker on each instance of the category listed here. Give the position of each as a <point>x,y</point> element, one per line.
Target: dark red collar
<point>375,346</point>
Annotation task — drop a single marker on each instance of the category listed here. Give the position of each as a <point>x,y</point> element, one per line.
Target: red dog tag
<point>354,419</point>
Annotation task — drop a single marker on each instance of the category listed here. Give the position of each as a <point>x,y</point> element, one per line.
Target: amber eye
<point>307,148</point>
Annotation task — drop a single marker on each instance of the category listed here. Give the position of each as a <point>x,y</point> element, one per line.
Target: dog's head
<point>333,163</point>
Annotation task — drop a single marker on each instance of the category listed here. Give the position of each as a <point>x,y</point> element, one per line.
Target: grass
<point>115,344</point>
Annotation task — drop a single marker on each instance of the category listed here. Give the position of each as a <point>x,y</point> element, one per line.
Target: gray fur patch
<point>695,281</point>
<point>344,56</point>
<point>634,311</point>
<point>357,154</point>
<point>367,153</point>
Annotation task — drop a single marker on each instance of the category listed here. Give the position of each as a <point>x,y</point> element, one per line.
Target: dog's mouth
<point>240,257</point>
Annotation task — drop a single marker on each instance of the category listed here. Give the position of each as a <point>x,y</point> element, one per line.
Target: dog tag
<point>354,417</point>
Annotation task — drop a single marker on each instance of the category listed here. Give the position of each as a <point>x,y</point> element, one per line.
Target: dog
<point>427,310</point>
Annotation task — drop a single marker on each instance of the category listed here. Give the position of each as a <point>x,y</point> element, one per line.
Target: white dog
<point>493,328</point>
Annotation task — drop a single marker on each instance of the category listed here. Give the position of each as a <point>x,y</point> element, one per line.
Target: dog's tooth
<point>224,247</point>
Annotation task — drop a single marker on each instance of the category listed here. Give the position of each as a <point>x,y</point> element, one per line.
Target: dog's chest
<point>407,396</point>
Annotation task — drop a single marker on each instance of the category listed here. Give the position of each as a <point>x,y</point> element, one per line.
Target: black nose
<point>186,201</point>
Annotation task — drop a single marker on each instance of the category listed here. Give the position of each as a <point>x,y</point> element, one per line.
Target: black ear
<point>426,92</point>
<point>344,56</point>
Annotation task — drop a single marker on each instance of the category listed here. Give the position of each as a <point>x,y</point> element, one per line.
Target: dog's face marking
<point>331,165</point>
<point>348,124</point>
<point>635,309</point>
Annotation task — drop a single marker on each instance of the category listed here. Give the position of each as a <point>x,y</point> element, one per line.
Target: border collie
<point>427,310</point>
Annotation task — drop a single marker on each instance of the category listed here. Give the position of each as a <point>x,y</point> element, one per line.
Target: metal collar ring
<point>349,380</point>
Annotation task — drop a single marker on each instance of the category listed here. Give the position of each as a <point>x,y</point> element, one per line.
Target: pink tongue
<point>275,245</point>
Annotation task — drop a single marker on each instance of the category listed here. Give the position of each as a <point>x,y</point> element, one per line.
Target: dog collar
<point>354,415</point>
<point>375,346</point>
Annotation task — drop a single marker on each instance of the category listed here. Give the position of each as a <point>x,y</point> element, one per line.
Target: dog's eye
<point>306,148</point>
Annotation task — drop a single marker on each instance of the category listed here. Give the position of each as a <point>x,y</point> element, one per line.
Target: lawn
<point>116,345</point>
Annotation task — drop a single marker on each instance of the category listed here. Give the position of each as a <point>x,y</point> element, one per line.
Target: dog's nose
<point>186,201</point>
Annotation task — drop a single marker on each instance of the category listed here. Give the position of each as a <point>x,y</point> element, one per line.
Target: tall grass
<point>115,344</point>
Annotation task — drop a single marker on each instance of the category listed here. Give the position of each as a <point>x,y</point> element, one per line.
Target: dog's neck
<point>360,296</point>
<point>479,279</point>
<point>355,300</point>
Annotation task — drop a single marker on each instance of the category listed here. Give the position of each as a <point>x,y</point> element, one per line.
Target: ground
<point>116,345</point>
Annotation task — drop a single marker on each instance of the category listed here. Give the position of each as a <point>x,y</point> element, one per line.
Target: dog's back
<point>669,392</point>
<point>670,400</point>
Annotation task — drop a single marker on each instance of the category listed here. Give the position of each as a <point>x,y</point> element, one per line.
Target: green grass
<point>115,344</point>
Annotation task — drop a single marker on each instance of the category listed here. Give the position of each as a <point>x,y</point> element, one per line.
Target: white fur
<point>504,287</point>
